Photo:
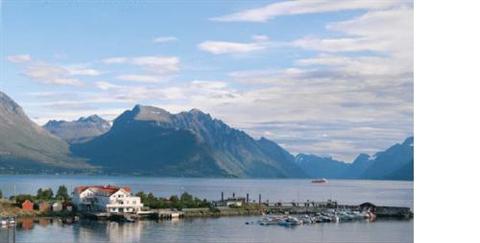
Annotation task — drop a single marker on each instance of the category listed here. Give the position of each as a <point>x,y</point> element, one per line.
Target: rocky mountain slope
<point>26,147</point>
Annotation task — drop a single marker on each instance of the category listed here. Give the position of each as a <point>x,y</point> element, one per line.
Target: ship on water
<point>322,180</point>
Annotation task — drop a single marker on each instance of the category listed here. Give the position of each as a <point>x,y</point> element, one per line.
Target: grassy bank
<point>9,208</point>
<point>247,209</point>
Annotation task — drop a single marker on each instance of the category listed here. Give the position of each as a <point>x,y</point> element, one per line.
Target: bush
<point>19,199</point>
<point>46,194</point>
<point>185,201</point>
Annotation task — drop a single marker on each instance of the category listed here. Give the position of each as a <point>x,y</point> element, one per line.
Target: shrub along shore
<point>47,204</point>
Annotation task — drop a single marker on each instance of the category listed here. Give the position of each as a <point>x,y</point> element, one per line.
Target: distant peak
<point>92,118</point>
<point>361,158</point>
<point>146,113</point>
<point>197,113</point>
<point>195,110</point>
<point>54,122</point>
<point>408,141</point>
<point>148,108</point>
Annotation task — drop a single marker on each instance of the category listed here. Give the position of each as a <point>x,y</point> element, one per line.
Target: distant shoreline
<point>193,177</point>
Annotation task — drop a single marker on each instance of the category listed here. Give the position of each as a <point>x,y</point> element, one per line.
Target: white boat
<point>290,221</point>
<point>322,180</point>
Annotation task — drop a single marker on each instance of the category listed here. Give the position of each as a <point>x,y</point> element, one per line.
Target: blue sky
<point>325,77</point>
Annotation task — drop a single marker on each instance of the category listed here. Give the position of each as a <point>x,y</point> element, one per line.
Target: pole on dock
<point>233,194</point>
<point>222,197</point>
<point>259,198</point>
<point>248,198</point>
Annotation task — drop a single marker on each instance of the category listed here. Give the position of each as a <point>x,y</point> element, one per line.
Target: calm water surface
<point>226,229</point>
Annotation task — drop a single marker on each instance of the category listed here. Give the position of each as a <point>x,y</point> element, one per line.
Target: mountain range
<point>150,140</point>
<point>395,163</point>
<point>147,140</point>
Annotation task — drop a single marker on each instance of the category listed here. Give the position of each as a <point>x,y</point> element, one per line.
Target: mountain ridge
<point>150,140</point>
<point>395,163</point>
<point>208,143</point>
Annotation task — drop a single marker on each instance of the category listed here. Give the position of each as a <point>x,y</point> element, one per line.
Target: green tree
<point>46,194</point>
<point>1,194</point>
<point>19,199</point>
<point>62,193</point>
<point>186,197</point>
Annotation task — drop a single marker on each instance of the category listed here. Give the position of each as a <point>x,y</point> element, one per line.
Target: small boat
<point>270,220</point>
<point>290,221</point>
<point>306,219</point>
<point>323,180</point>
<point>11,221</point>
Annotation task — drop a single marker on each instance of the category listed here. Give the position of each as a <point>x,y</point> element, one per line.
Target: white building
<point>110,199</point>
<point>57,207</point>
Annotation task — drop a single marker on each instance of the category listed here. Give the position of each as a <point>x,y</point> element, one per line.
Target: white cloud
<point>208,84</point>
<point>19,58</point>
<point>387,34</point>
<point>139,78</point>
<point>57,74</point>
<point>50,74</point>
<point>115,60</point>
<point>364,65</point>
<point>223,47</point>
<point>381,31</point>
<point>82,71</point>
<point>158,64</point>
<point>260,38</point>
<point>161,65</point>
<point>104,85</point>
<point>164,39</point>
<point>268,12</point>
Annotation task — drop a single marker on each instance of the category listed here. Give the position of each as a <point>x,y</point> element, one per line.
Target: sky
<point>331,78</point>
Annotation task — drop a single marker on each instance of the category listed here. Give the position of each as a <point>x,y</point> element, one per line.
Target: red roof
<point>108,189</point>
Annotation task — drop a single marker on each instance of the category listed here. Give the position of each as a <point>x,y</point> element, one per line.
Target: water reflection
<point>109,231</point>
<point>225,229</point>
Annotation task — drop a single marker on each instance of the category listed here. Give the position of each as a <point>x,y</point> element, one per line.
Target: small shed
<point>57,207</point>
<point>27,205</point>
<point>235,202</point>
<point>44,206</point>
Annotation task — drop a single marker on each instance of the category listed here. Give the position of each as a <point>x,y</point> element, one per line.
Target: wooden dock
<point>317,207</point>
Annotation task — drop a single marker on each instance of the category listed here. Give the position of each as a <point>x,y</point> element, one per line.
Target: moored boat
<point>319,181</point>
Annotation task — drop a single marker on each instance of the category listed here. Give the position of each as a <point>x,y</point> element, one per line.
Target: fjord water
<point>225,229</point>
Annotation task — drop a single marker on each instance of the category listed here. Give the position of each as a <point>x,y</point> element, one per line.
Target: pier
<point>318,207</point>
<point>243,206</point>
<point>313,207</point>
